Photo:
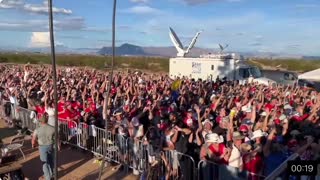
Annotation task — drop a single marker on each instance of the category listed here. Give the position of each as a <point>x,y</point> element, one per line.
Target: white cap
<point>213,138</point>
<point>287,106</point>
<point>212,96</point>
<point>263,113</point>
<point>207,121</point>
<point>258,133</point>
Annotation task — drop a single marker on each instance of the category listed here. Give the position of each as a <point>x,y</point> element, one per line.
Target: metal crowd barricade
<point>134,153</point>
<point>208,170</point>
<point>68,131</point>
<point>280,172</point>
<point>150,161</point>
<point>100,142</point>
<point>28,118</point>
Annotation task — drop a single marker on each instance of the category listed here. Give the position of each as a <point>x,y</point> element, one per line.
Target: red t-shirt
<point>254,166</point>
<point>69,117</point>
<point>76,105</point>
<point>60,106</point>
<point>40,110</point>
<point>269,107</point>
<point>218,152</point>
<point>300,118</point>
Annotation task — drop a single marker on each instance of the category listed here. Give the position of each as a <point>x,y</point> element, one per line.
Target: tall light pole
<point>110,78</point>
<point>54,76</point>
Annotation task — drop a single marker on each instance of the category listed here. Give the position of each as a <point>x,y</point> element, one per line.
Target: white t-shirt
<point>50,111</point>
<point>25,77</point>
<point>235,159</point>
<point>13,100</point>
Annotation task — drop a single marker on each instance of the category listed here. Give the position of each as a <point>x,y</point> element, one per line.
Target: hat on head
<point>213,96</point>
<point>263,113</point>
<point>43,119</point>
<point>207,121</point>
<point>117,113</point>
<point>213,138</point>
<point>237,136</point>
<point>135,121</point>
<point>189,121</point>
<point>292,143</point>
<point>295,132</point>
<point>248,110</point>
<point>245,147</point>
<point>277,121</point>
<point>282,117</point>
<point>258,133</point>
<point>248,122</point>
<point>190,110</point>
<point>287,106</point>
<point>244,127</point>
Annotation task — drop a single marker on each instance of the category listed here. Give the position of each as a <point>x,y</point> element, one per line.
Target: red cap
<point>277,121</point>
<point>309,103</point>
<point>292,143</point>
<point>244,127</point>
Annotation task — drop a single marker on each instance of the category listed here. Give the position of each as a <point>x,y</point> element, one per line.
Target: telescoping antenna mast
<point>179,46</point>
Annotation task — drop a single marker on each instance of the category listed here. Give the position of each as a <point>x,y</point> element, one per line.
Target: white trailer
<point>209,67</point>
<point>202,68</point>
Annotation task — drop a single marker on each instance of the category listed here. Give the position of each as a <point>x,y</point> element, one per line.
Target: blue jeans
<point>46,156</point>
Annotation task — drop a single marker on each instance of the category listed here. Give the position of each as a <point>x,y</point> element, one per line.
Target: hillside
<point>144,63</point>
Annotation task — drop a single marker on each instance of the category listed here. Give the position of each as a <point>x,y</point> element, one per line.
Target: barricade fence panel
<point>138,154</point>
<point>208,170</point>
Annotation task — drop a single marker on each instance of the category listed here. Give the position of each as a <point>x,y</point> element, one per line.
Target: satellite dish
<point>222,48</point>
<point>179,46</point>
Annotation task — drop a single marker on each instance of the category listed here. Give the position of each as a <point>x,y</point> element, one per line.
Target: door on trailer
<point>243,75</point>
<point>212,73</point>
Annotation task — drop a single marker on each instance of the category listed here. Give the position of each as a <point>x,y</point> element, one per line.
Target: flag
<point>176,85</point>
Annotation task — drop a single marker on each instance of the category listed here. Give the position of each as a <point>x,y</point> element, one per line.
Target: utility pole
<point>54,76</point>
<point>110,78</point>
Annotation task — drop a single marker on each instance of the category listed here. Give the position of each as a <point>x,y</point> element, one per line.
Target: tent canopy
<point>311,75</point>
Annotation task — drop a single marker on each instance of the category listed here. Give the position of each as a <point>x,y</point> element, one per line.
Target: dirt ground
<point>73,164</point>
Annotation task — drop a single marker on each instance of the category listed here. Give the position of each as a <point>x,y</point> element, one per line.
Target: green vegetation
<point>98,62</point>
<point>144,63</point>
<point>298,65</point>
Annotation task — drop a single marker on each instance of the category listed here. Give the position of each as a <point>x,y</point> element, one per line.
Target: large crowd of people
<point>247,127</point>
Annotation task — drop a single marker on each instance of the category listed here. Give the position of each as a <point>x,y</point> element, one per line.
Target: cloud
<point>139,1</point>
<point>141,9</point>
<point>40,39</point>
<point>196,2</point>
<point>255,44</point>
<point>33,8</point>
<point>8,4</point>
<point>73,23</point>
<point>41,25</point>
<point>258,37</point>
<point>43,9</point>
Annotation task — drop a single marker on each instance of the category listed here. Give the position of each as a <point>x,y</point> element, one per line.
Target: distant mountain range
<point>134,50</point>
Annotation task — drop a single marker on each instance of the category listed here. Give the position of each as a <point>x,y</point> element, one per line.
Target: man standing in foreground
<point>44,136</point>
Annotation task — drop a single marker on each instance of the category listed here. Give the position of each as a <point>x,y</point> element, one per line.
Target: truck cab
<point>245,73</point>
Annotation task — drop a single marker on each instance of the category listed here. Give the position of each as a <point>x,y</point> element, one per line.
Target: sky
<point>279,26</point>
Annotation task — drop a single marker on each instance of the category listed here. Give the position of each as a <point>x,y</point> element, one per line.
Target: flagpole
<point>110,78</point>
<point>54,76</point>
